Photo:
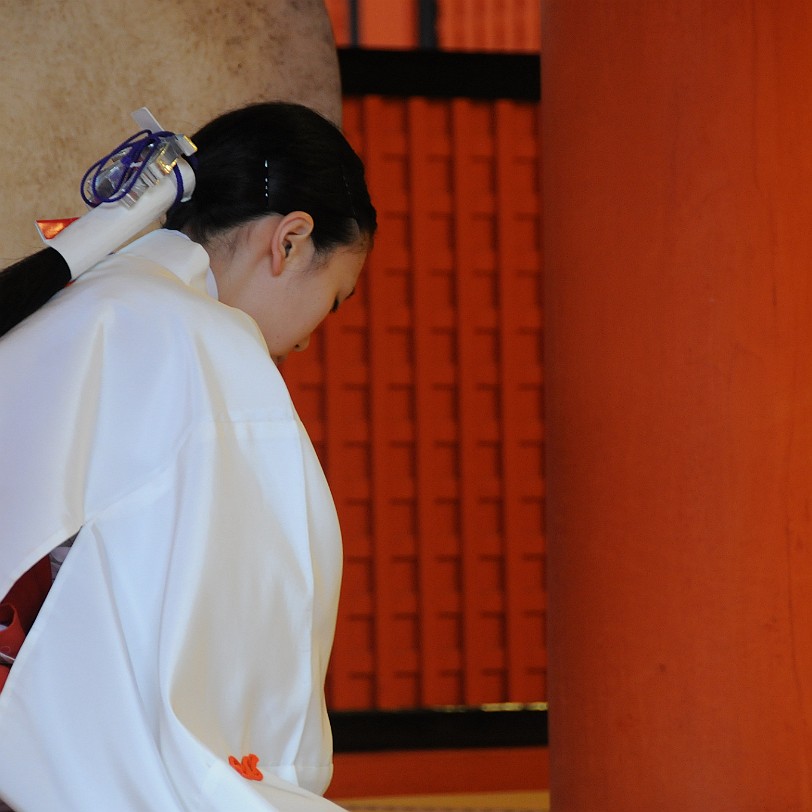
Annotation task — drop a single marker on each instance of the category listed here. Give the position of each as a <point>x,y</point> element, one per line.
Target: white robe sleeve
<point>191,622</point>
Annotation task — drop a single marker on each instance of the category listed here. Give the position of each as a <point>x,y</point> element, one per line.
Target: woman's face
<point>273,273</point>
<point>306,293</point>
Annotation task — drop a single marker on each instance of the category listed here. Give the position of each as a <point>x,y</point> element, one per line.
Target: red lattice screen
<point>424,398</point>
<point>472,25</point>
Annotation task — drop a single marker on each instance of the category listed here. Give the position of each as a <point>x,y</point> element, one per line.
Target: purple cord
<point>113,177</point>
<point>179,193</point>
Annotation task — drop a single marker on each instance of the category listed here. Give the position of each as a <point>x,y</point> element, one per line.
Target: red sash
<point>19,609</point>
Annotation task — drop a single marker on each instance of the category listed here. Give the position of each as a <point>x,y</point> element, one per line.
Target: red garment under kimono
<point>19,609</point>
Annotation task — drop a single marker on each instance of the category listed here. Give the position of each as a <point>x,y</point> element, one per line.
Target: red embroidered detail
<point>247,768</point>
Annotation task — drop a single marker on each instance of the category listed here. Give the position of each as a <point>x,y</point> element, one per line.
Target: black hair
<point>273,157</point>
<point>276,157</point>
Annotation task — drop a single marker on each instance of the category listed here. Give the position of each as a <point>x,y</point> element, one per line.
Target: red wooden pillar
<point>678,257</point>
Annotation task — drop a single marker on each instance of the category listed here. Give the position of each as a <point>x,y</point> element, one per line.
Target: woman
<point>178,661</point>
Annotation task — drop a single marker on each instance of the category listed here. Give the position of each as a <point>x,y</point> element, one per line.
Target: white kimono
<point>189,629</point>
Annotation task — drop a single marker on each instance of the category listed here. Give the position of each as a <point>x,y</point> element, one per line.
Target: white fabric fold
<point>193,618</point>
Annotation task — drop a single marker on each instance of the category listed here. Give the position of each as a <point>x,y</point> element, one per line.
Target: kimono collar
<point>181,256</point>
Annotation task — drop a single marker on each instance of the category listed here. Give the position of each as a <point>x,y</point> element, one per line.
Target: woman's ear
<point>290,240</point>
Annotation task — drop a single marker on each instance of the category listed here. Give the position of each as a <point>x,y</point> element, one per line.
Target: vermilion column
<point>678,259</point>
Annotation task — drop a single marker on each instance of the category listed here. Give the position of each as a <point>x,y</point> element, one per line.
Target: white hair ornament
<point>127,190</point>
